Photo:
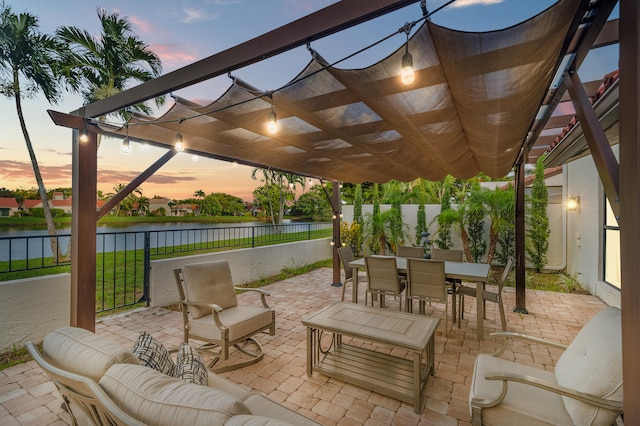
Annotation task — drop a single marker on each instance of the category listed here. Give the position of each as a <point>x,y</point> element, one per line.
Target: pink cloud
<point>173,55</point>
<point>144,26</point>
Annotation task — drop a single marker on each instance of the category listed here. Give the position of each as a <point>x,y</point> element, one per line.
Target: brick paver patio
<point>28,398</point>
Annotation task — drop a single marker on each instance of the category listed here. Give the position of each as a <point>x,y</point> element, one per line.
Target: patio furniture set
<point>103,383</point>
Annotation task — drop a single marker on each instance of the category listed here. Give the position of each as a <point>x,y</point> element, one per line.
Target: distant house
<point>8,206</point>
<point>158,203</point>
<point>30,204</point>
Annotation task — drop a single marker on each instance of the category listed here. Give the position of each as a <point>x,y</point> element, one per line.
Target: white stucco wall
<point>246,265</point>
<point>585,234</point>
<point>555,257</point>
<point>33,307</point>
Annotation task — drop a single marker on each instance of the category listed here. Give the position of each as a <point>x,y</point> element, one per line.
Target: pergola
<point>479,103</point>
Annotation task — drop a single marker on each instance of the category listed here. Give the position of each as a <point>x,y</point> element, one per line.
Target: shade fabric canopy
<point>468,111</point>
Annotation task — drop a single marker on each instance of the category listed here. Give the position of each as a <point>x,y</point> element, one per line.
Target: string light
<point>84,136</point>
<point>407,75</point>
<point>179,143</point>
<point>144,146</point>
<point>272,124</point>
<point>125,142</point>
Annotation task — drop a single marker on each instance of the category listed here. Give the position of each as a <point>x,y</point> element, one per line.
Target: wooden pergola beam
<point>332,19</point>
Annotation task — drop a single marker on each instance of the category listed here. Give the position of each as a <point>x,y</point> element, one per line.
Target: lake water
<point>21,243</point>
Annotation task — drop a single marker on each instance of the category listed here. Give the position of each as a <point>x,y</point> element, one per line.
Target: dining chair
<point>383,278</point>
<point>408,251</point>
<point>453,284</point>
<point>495,297</point>
<point>426,282</point>
<point>346,256</point>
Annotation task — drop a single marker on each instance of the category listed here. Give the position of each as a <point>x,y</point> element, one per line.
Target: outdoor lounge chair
<point>211,313</point>
<point>585,387</point>
<point>495,297</point>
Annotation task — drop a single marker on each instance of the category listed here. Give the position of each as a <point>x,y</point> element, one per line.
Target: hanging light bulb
<point>179,144</point>
<point>144,146</point>
<point>407,75</point>
<point>272,124</point>
<point>125,142</point>
<point>194,158</point>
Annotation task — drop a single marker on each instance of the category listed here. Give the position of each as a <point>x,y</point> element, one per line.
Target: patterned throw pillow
<point>190,366</point>
<point>151,353</point>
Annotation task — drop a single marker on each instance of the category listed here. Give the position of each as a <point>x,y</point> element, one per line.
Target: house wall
<point>31,308</point>
<point>585,234</point>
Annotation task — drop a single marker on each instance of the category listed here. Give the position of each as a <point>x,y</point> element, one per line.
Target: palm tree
<point>285,185</point>
<point>29,56</point>
<point>103,65</point>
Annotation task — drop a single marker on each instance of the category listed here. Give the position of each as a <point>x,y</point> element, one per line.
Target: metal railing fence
<point>123,258</point>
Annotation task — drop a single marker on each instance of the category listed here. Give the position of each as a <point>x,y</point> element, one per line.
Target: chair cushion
<point>190,367</point>
<point>592,363</point>
<point>266,408</point>
<point>524,404</point>
<point>155,398</point>
<point>82,352</point>
<point>245,420</point>
<point>211,283</point>
<point>241,320</point>
<point>152,353</point>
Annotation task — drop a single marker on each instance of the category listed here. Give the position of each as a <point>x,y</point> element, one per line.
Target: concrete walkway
<point>28,398</point>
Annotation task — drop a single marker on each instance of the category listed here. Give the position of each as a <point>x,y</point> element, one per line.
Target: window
<point>611,248</point>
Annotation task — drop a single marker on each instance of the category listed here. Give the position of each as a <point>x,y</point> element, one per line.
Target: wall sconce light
<point>573,203</point>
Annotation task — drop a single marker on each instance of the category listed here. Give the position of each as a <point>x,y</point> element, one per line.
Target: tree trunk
<point>493,242</point>
<point>51,228</point>
<point>464,236</point>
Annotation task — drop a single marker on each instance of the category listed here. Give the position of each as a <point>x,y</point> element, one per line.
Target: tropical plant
<point>103,65</point>
<point>283,186</point>
<point>394,194</point>
<point>475,223</point>
<point>538,221</point>
<point>351,236</point>
<point>443,238</point>
<point>357,205</point>
<point>375,232</point>
<point>28,65</point>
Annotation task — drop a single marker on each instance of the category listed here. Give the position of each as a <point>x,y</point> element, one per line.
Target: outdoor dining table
<point>475,272</point>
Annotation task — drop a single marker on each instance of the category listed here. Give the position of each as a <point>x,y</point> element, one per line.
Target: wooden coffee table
<point>390,375</point>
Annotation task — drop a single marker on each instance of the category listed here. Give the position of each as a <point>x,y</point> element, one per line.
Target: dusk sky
<point>185,31</point>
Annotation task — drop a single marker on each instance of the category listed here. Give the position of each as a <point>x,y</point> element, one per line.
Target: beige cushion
<point>83,352</point>
<point>593,364</point>
<point>154,398</point>
<point>255,421</point>
<point>524,404</point>
<point>262,406</point>
<point>241,321</point>
<point>210,283</point>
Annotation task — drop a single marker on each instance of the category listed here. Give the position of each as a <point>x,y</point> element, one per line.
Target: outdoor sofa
<point>104,383</point>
